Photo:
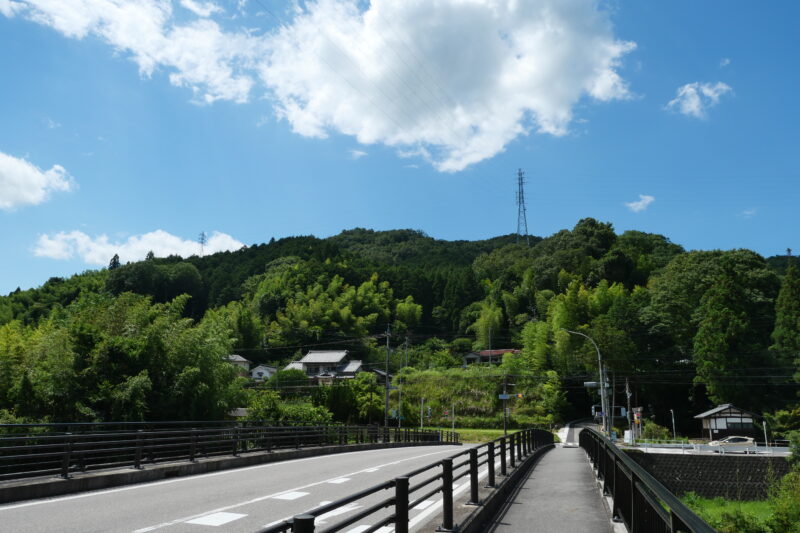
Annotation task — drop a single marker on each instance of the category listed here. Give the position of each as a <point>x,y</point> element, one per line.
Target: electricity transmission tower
<point>202,239</point>
<point>522,218</point>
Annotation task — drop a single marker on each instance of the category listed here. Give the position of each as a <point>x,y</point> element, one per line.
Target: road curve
<point>238,500</point>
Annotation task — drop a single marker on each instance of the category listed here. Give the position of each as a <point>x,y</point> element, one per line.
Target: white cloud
<point>693,99</point>
<point>23,183</point>
<point>405,74</point>
<point>199,54</point>
<point>641,204</point>
<point>9,7</point>
<point>748,213</point>
<point>52,124</point>
<point>724,62</point>
<point>357,154</point>
<point>99,250</point>
<point>201,9</point>
<point>398,73</point>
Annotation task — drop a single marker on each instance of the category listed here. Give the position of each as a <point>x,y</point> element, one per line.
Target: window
<point>740,425</point>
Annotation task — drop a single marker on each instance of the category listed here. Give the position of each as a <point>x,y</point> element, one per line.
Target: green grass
<point>712,509</point>
<point>477,435</point>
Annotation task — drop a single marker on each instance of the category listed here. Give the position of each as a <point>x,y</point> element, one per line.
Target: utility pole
<point>386,382</point>
<point>505,405</point>
<point>603,388</point>
<point>674,433</point>
<point>400,386</point>
<point>522,218</point>
<point>628,395</point>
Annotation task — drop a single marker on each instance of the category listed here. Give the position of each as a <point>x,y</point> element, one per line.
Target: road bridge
<point>441,486</point>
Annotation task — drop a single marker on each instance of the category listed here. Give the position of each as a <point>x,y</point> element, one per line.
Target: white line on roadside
<point>339,480</point>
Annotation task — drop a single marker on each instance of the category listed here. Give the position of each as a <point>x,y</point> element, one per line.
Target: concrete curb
<point>29,489</point>
<point>478,520</point>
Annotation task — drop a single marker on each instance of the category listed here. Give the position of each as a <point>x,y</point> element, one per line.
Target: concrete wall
<point>734,477</point>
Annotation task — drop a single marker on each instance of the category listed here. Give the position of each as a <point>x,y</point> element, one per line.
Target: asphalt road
<point>239,500</point>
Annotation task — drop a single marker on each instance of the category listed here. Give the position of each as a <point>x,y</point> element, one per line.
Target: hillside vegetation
<point>148,340</point>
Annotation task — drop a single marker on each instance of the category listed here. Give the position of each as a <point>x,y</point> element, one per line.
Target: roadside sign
<point>504,396</point>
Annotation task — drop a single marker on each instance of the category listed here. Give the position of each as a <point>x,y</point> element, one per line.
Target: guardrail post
<point>447,495</point>
<point>67,456</point>
<point>401,504</point>
<point>473,477</point>
<point>490,463</point>
<point>503,471</point>
<point>519,447</point>
<point>193,447</point>
<point>303,523</point>
<point>137,458</point>
<point>512,463</point>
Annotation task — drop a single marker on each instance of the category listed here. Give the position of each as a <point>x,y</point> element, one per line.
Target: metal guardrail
<point>641,502</point>
<point>32,450</point>
<point>509,450</point>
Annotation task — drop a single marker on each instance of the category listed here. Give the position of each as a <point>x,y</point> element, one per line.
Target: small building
<point>725,420</point>
<point>242,365</point>
<point>326,366</point>
<point>262,372</point>
<point>492,357</point>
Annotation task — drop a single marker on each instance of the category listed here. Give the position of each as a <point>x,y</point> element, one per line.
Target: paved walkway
<point>559,495</point>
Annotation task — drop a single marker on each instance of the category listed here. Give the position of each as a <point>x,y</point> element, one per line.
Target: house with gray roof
<point>325,366</point>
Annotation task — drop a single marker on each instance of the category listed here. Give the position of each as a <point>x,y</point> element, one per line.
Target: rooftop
<point>324,356</point>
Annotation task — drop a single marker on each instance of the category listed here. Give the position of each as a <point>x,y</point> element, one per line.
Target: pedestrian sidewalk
<point>559,495</point>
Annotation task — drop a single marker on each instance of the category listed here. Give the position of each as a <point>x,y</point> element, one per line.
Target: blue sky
<point>124,129</point>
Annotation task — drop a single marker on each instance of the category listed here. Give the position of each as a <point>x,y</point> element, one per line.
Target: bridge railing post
<point>303,523</point>
<point>401,504</point>
<point>490,464</point>
<point>519,447</point>
<point>137,458</point>
<point>66,458</point>
<point>473,477</point>
<point>511,462</point>
<point>503,471</point>
<point>193,444</point>
<point>447,494</point>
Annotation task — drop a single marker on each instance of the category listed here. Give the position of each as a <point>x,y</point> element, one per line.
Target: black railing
<point>433,478</point>
<point>62,449</point>
<point>640,501</point>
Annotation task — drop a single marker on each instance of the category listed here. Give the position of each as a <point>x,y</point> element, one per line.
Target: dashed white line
<point>424,505</point>
<point>290,495</point>
<point>339,480</point>
<point>216,519</point>
<point>268,496</point>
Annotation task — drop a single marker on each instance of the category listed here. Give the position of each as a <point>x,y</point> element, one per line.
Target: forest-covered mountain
<point>147,340</point>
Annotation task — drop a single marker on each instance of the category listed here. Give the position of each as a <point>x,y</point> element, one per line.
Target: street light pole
<point>603,399</point>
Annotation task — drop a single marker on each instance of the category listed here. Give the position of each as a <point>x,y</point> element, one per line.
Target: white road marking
<point>268,496</point>
<point>433,508</point>
<point>424,505</point>
<point>290,495</point>
<point>337,481</point>
<point>371,470</point>
<point>139,486</point>
<point>216,519</point>
<point>336,512</point>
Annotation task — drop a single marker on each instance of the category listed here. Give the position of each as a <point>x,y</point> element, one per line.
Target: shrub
<point>654,431</point>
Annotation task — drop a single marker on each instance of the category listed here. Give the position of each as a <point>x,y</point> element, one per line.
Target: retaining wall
<point>734,477</point>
